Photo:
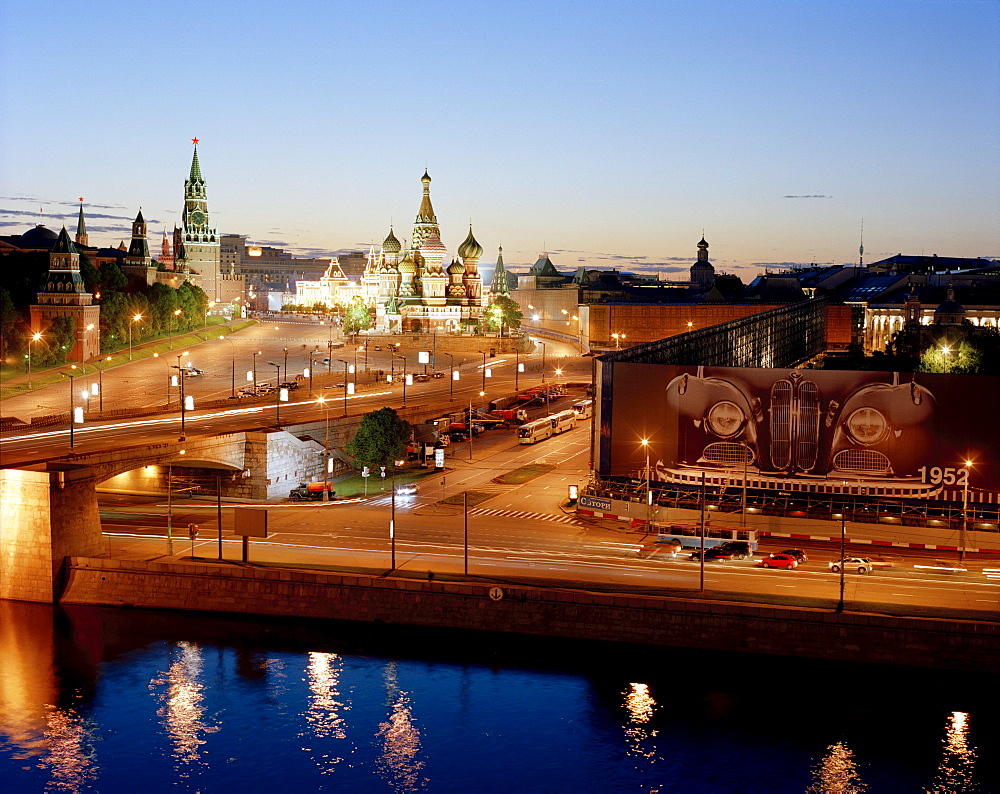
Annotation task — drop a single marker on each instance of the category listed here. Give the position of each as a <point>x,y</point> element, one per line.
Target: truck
<point>312,491</point>
<point>511,416</point>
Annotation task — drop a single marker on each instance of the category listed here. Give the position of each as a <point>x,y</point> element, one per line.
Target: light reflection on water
<point>181,693</point>
<point>110,703</point>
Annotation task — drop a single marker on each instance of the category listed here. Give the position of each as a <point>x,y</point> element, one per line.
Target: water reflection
<point>398,763</point>
<point>69,753</point>
<point>183,711</point>
<point>639,704</point>
<point>958,761</point>
<point>324,713</point>
<point>837,773</point>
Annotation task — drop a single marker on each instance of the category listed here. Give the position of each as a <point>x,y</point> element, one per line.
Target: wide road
<point>147,378</point>
<point>524,533</point>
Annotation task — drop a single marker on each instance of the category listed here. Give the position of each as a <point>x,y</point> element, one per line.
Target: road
<point>145,382</point>
<point>523,533</point>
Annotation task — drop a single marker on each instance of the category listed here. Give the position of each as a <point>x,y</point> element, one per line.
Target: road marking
<point>523,514</point>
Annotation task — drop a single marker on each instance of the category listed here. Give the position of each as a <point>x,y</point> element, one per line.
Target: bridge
<point>49,510</point>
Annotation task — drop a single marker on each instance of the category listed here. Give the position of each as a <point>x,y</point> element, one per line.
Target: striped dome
<point>470,249</point>
<point>433,248</point>
<point>390,244</point>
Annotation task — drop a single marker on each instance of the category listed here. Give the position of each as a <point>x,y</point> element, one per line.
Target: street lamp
<point>180,376</point>
<point>394,356</point>
<point>32,338</point>
<point>484,371</point>
<point>131,323</point>
<point>618,338</point>
<point>277,394</point>
<point>74,417</point>
<point>649,488</point>
<point>543,361</point>
<point>517,366</point>
<point>255,354</point>
<point>345,383</point>
<point>286,364</point>
<point>326,450</point>
<point>451,376</point>
<point>232,348</point>
<point>100,386</point>
<point>177,313</point>
<point>965,510</point>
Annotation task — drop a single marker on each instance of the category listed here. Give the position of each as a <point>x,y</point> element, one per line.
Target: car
<point>458,435</point>
<point>407,489</point>
<point>671,546</point>
<point>246,391</point>
<point>786,561</point>
<point>861,565</point>
<point>741,548</point>
<point>289,384</point>
<point>191,372</point>
<point>798,554</point>
<point>438,375</point>
<point>421,378</point>
<point>378,347</point>
<point>720,553</point>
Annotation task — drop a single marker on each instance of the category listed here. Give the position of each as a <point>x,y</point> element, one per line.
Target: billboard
<point>880,433</point>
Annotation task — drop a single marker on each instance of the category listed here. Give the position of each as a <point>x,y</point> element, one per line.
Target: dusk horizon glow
<point>605,135</point>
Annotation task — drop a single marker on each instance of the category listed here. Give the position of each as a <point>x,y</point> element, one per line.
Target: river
<point>109,700</point>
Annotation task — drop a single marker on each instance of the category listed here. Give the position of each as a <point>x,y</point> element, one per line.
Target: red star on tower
<point>194,141</point>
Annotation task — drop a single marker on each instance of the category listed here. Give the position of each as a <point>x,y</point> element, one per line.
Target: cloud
<point>789,265</point>
<point>812,195</point>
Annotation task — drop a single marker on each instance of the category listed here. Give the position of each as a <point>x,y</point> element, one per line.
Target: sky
<point>608,134</point>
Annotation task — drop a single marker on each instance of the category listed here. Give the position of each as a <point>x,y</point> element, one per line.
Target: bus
<point>690,535</point>
<point>584,409</point>
<point>562,421</point>
<point>535,431</point>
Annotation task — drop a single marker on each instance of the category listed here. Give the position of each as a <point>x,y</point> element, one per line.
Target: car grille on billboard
<point>726,453</point>
<point>807,437</point>
<point>866,460</point>
<point>781,424</point>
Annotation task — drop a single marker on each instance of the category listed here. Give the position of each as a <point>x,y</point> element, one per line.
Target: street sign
<point>365,472</point>
<point>383,471</point>
<point>423,357</point>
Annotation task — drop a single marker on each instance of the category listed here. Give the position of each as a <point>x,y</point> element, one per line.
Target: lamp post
<point>618,338</point>
<point>394,356</point>
<point>134,320</point>
<point>451,376</point>
<point>277,394</point>
<point>517,367</point>
<point>255,354</point>
<point>345,383</point>
<point>843,544</point>
<point>965,510</point>
<point>326,450</point>
<point>543,361</point>
<point>484,371</point>
<point>392,521</point>
<point>232,348</point>
<point>311,354</point>
<point>32,338</point>
<point>285,370</point>
<point>649,489</point>
<point>100,387</point>
<point>180,376</point>
<point>177,313</point>
<point>72,407</point>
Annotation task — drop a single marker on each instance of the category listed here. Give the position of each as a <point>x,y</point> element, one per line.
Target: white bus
<point>584,409</point>
<point>562,421</point>
<point>535,431</point>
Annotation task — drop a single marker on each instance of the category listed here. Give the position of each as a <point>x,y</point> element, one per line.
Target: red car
<point>779,561</point>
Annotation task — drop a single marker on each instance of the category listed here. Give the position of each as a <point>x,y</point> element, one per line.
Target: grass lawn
<point>524,474</point>
<point>355,484</point>
<point>475,498</point>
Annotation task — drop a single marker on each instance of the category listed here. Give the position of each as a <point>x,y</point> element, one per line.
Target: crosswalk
<point>525,514</point>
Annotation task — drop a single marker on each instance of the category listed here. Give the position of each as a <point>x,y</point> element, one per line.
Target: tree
<point>503,312</point>
<point>10,321</point>
<point>381,438</point>
<point>62,336</point>
<point>356,316</point>
<point>111,278</point>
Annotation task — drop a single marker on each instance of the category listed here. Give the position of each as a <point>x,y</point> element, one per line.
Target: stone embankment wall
<point>644,620</point>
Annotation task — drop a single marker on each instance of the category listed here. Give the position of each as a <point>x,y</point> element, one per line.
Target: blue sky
<point>607,133</point>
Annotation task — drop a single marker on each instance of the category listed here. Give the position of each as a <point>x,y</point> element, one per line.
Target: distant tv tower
<point>861,248</point>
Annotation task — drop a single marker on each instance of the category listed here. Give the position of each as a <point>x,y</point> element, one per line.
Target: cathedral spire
<point>499,283</point>
<point>81,227</point>
<point>195,165</point>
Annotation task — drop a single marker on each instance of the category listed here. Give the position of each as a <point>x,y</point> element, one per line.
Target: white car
<point>860,565</point>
